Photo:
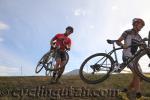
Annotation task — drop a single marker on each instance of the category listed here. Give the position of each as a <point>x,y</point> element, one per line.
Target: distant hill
<point>73,72</point>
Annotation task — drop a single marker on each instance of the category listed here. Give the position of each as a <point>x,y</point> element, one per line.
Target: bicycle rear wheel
<point>143,65</point>
<point>96,68</point>
<point>42,62</point>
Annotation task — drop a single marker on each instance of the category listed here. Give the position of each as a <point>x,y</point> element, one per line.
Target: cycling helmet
<point>70,28</point>
<point>138,20</point>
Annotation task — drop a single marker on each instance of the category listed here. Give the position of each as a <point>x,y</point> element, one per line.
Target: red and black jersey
<point>62,40</point>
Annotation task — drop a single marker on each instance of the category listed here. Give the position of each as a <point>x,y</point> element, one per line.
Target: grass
<point>26,88</point>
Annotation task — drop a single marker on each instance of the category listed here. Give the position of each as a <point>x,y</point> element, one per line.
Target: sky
<point>27,26</point>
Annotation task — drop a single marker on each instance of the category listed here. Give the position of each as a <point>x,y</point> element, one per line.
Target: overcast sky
<point>26,27</point>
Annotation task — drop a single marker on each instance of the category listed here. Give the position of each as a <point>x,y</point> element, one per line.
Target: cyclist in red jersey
<point>62,42</point>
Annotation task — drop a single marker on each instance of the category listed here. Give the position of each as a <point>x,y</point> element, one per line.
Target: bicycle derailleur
<point>95,68</point>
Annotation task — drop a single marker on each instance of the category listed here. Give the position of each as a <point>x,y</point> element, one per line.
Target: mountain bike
<point>48,62</point>
<point>98,67</point>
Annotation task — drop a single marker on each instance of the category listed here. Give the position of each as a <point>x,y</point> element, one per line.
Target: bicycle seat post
<point>116,59</point>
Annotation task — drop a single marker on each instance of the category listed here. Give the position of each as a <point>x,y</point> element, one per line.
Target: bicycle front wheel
<point>96,68</point>
<point>143,65</point>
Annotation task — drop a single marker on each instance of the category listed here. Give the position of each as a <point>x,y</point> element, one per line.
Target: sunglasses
<point>69,31</point>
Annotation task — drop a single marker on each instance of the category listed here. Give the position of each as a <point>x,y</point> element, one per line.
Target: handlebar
<point>139,43</point>
<point>58,47</point>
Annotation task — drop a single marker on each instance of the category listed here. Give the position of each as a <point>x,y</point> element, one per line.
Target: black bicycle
<point>98,67</point>
<point>48,62</point>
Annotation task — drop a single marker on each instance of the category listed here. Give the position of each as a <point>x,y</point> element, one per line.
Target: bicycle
<point>48,62</point>
<point>98,67</point>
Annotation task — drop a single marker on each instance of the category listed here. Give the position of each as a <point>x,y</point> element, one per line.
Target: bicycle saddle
<point>111,41</point>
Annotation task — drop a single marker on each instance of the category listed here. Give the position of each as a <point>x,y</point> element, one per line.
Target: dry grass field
<point>70,88</point>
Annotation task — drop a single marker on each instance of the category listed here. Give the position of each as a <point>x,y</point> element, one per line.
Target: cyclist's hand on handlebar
<point>68,49</point>
<point>124,46</point>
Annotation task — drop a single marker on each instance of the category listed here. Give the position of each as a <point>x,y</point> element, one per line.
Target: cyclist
<point>62,42</point>
<point>131,37</point>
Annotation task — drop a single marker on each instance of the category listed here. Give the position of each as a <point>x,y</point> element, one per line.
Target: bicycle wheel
<point>96,68</point>
<point>42,62</point>
<point>142,68</point>
<point>52,62</point>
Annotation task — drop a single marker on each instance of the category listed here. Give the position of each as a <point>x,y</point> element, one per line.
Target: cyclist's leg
<point>63,61</point>
<point>60,72</point>
<point>137,80</point>
<point>135,84</point>
<point>58,62</point>
<point>125,58</point>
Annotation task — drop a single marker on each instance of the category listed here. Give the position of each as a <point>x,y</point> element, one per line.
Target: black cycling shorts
<point>61,55</point>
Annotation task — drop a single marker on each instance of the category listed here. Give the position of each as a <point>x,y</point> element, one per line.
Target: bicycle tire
<point>41,62</point>
<point>81,72</point>
<point>138,70</point>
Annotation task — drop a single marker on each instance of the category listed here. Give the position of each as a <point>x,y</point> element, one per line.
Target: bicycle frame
<point>115,54</point>
<point>115,60</point>
<point>129,60</point>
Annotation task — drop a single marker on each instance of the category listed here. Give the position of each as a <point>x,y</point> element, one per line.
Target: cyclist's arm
<point>119,41</point>
<point>122,37</point>
<point>142,42</point>
<point>68,45</point>
<point>53,39</point>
